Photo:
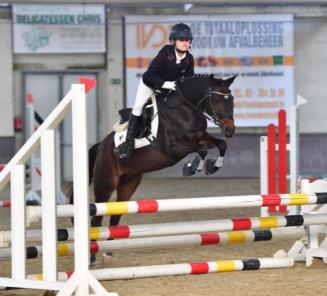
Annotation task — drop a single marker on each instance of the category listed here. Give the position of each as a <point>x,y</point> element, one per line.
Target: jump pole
<point>104,233</point>
<point>169,205</point>
<point>181,269</point>
<point>5,203</point>
<point>202,239</point>
<point>176,228</point>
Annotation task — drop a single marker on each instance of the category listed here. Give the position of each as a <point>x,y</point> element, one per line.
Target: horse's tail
<point>92,157</point>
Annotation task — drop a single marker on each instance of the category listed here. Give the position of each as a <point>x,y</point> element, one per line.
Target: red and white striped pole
<point>181,269</point>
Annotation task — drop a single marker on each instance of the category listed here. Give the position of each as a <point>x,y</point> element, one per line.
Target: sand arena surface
<point>298,280</point>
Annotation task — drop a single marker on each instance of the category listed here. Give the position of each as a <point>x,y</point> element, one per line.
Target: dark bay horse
<point>181,131</point>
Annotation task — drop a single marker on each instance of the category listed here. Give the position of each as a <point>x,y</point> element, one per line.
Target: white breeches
<point>142,94</point>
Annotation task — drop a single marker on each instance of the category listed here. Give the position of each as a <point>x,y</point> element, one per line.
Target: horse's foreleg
<point>102,194</point>
<point>196,164</point>
<point>126,188</point>
<point>213,165</point>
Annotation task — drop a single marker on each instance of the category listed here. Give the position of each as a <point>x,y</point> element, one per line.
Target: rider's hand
<point>169,85</point>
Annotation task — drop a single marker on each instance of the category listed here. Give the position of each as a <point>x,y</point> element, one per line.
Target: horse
<point>182,130</point>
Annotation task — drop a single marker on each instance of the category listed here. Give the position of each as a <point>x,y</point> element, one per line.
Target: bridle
<point>211,112</point>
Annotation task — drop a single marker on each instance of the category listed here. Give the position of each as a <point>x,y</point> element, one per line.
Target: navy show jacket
<point>164,68</point>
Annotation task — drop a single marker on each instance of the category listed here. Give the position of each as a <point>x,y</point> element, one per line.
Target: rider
<point>172,62</point>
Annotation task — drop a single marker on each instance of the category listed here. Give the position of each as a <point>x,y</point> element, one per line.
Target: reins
<point>206,113</point>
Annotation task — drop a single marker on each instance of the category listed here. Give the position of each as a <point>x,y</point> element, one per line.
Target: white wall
<point>6,80</point>
<point>115,71</point>
<point>310,42</point>
<point>311,73</point>
<point>310,63</point>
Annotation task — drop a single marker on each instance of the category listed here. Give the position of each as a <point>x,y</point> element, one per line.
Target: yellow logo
<point>155,35</point>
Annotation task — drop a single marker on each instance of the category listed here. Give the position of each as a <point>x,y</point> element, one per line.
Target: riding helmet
<point>180,31</point>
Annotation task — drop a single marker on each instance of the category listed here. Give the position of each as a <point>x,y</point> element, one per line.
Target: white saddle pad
<point>120,136</point>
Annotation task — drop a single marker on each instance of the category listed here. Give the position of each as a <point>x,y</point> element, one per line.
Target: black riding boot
<point>126,149</point>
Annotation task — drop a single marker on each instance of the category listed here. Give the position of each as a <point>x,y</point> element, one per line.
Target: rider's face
<point>182,44</point>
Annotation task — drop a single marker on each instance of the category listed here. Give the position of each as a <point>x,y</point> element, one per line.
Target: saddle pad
<point>120,136</point>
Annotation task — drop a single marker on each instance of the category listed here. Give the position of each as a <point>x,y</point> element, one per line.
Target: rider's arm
<point>152,76</point>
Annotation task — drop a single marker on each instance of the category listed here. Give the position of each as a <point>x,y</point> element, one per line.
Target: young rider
<point>172,62</point>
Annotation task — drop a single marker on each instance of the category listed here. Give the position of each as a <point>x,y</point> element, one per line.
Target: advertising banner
<point>257,48</point>
<point>59,28</point>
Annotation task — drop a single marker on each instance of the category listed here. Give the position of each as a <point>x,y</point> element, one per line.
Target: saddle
<point>145,121</point>
<point>149,122</point>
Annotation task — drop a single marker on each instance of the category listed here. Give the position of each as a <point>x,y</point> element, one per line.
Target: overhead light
<point>188,7</point>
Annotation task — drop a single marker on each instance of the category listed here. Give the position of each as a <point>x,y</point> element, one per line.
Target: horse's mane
<point>195,77</point>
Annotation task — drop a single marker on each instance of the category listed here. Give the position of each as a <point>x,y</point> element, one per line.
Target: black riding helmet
<point>180,31</point>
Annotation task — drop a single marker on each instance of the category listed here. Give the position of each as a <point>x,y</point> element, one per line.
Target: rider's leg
<point>142,95</point>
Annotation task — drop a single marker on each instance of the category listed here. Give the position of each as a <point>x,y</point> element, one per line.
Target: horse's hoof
<point>190,168</point>
<point>93,260</point>
<point>210,167</point>
<point>107,257</point>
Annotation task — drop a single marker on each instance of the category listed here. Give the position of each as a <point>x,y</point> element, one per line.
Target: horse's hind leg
<point>126,188</point>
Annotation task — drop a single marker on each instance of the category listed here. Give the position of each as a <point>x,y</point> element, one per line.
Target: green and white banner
<point>59,28</point>
<point>258,48</point>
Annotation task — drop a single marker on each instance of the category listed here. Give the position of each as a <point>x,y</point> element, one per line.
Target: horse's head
<point>220,104</point>
<point>211,96</point>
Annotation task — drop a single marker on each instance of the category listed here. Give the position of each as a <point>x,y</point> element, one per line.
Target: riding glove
<point>169,85</point>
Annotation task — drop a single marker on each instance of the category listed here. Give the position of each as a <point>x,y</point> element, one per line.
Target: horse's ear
<point>230,80</point>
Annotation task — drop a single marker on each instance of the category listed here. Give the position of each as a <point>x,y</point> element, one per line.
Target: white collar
<point>179,58</point>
